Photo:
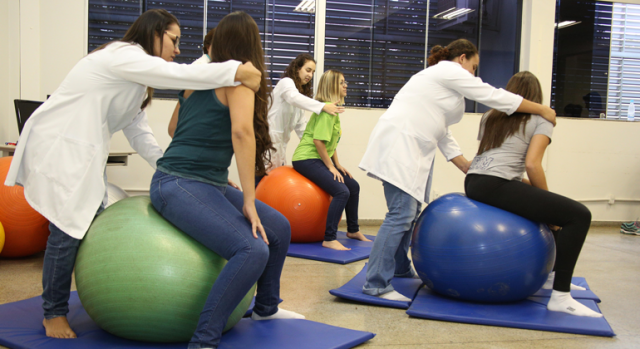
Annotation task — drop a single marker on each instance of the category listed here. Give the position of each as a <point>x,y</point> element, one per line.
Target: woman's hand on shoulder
<point>249,76</point>
<point>549,114</point>
<point>333,109</point>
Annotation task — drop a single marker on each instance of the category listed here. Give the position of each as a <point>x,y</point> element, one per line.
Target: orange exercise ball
<point>301,201</point>
<point>1,237</point>
<point>25,230</point>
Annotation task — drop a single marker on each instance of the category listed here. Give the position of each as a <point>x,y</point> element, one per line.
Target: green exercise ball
<point>141,278</point>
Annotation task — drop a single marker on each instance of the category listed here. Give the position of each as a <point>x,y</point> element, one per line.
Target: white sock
<point>280,314</point>
<point>548,285</point>
<point>394,296</point>
<point>563,302</point>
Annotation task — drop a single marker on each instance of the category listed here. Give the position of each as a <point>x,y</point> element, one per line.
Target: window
<point>377,44</point>
<point>624,63</point>
<point>190,13</point>
<point>581,58</point>
<point>109,20</point>
<point>289,34</point>
<point>285,33</point>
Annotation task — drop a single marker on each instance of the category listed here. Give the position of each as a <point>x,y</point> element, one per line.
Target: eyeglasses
<point>344,83</point>
<point>176,39</point>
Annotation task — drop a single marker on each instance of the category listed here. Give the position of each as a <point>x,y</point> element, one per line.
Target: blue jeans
<point>213,216</point>
<point>59,260</point>
<point>345,195</point>
<point>389,255</point>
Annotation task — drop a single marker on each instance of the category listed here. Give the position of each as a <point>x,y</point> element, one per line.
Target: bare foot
<point>335,245</point>
<point>357,236</point>
<point>58,327</point>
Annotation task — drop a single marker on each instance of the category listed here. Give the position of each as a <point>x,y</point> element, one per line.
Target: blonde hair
<point>329,87</point>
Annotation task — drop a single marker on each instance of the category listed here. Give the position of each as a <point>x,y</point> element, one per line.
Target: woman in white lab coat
<point>291,97</point>
<point>62,152</point>
<point>402,148</point>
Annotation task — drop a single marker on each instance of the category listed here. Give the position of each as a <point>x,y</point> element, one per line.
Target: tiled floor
<point>610,261</point>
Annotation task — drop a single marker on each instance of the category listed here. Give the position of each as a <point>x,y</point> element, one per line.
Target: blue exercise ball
<point>472,251</point>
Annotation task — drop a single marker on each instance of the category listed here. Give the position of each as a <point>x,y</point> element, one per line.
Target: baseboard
<point>378,222</point>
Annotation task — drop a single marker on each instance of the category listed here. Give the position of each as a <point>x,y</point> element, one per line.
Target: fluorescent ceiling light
<point>308,6</point>
<point>565,24</point>
<point>453,13</point>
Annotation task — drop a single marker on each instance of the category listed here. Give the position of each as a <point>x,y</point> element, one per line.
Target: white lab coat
<point>204,59</point>
<point>287,114</point>
<point>402,145</point>
<point>62,152</point>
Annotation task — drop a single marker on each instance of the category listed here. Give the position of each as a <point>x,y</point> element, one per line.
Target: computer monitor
<point>24,109</point>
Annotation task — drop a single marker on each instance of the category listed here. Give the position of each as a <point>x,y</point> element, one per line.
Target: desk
<point>115,158</point>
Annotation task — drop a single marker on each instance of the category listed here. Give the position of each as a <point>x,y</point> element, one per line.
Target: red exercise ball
<point>301,201</point>
<point>25,230</point>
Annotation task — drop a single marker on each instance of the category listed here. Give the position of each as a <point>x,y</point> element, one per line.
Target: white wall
<point>588,159</point>
<point>10,68</point>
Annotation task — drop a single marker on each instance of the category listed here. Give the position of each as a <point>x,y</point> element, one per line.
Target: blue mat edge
<point>500,323</point>
<point>366,336</point>
<point>377,301</point>
<point>328,260</point>
<point>359,338</point>
<point>342,261</point>
<point>382,302</point>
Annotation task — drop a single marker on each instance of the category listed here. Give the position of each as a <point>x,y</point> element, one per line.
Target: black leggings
<point>540,206</point>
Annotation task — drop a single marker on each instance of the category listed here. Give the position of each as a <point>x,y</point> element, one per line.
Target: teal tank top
<point>201,148</point>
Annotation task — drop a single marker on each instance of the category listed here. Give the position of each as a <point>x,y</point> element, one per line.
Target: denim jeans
<point>59,260</point>
<point>389,255</point>
<point>213,216</point>
<point>345,195</point>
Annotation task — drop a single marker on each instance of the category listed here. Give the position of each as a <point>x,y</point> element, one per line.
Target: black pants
<point>346,196</point>
<point>540,206</point>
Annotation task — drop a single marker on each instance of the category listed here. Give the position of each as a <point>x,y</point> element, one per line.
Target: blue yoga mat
<point>352,290</point>
<point>21,328</point>
<point>314,250</point>
<point>530,313</point>
<point>578,281</point>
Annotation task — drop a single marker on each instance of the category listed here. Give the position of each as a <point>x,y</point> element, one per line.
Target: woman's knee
<point>401,220</point>
<point>275,222</point>
<point>279,225</point>
<point>582,213</point>
<point>353,186</point>
<point>257,251</point>
<point>341,191</point>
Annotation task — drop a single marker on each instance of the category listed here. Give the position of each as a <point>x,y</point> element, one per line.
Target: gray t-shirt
<point>508,161</point>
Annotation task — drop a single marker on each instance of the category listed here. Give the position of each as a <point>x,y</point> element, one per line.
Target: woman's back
<point>508,160</point>
<point>201,147</point>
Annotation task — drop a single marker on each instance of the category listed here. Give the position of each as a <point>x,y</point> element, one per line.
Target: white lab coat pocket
<point>65,165</point>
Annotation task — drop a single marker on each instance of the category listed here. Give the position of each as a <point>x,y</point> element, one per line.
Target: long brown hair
<point>143,32</point>
<point>498,125</point>
<point>455,49</point>
<point>292,72</point>
<point>329,87</point>
<point>237,37</point>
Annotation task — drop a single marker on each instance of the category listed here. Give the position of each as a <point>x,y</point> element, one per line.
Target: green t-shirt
<point>323,127</point>
<point>201,148</point>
